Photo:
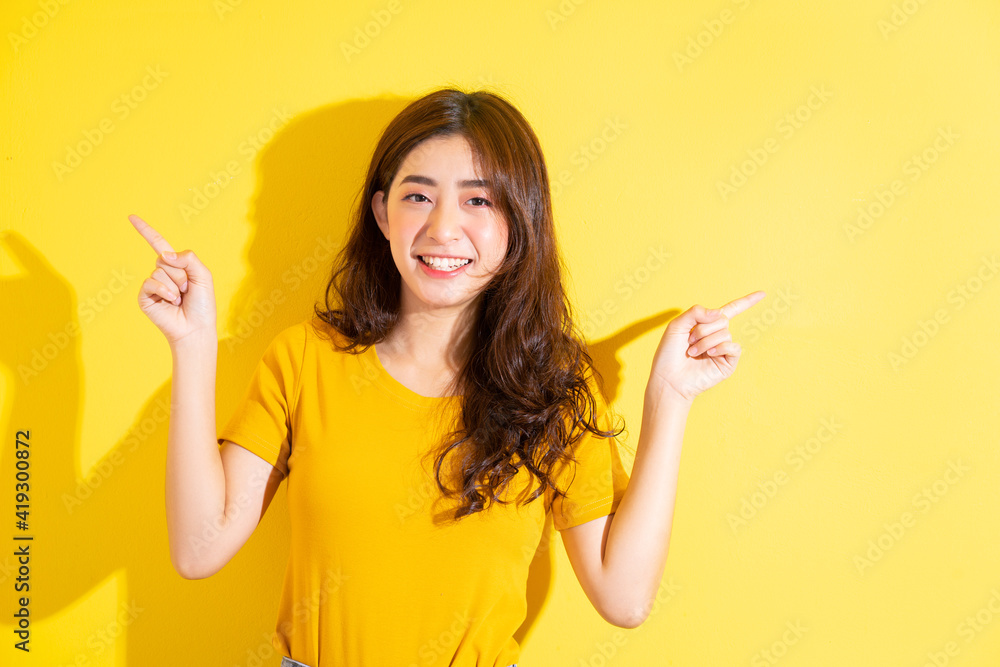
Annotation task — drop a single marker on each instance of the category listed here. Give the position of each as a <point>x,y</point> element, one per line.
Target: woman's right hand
<point>179,296</point>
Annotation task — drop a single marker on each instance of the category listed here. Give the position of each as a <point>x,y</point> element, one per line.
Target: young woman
<point>432,415</point>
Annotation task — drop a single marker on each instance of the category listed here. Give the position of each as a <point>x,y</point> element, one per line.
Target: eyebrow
<point>424,180</point>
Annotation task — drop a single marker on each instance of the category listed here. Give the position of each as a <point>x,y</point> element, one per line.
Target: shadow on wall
<point>112,519</point>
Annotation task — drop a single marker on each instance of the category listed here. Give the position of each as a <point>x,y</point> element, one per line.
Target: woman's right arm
<point>214,499</point>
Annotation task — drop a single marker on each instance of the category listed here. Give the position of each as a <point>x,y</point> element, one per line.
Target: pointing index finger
<point>737,306</point>
<point>154,238</point>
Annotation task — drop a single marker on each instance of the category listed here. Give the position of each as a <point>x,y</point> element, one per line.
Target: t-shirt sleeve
<point>262,421</point>
<point>600,477</point>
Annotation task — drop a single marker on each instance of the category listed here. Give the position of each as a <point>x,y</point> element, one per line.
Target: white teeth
<point>444,264</point>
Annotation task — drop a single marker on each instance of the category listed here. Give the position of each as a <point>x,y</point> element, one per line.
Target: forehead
<point>443,153</point>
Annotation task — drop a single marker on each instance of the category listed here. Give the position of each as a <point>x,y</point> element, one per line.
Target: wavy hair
<point>526,395</point>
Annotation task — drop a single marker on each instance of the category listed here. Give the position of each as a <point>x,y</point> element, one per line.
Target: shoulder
<point>305,333</point>
<point>292,338</point>
<point>318,331</point>
<point>289,346</point>
<point>312,337</point>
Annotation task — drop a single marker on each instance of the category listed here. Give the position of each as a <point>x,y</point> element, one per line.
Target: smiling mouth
<point>444,264</point>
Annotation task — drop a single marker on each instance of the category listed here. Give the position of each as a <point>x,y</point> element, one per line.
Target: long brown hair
<point>526,386</point>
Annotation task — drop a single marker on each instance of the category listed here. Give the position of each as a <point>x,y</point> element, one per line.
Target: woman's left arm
<point>619,559</point>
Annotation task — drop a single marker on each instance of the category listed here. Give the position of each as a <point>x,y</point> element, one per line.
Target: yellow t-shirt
<point>371,578</point>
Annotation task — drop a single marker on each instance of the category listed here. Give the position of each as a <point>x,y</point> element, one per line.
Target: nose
<point>443,224</point>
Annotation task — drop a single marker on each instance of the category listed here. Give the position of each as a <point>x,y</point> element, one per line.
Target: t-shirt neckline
<point>384,379</point>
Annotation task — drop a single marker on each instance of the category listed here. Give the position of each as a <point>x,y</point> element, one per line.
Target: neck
<point>434,341</point>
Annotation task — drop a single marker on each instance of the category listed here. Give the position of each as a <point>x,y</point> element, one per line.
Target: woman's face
<point>439,210</point>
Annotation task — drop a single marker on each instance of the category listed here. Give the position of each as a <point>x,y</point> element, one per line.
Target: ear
<point>379,209</point>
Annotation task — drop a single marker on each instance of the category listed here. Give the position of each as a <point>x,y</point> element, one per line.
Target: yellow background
<point>643,109</point>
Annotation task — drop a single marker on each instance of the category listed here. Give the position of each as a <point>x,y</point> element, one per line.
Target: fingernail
<point>184,287</point>
<point>170,255</point>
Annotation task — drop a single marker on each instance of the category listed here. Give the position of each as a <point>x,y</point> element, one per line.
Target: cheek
<point>494,250</point>
<point>402,225</point>
<point>500,241</point>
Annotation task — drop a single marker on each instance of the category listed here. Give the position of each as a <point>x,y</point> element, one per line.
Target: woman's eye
<point>418,198</point>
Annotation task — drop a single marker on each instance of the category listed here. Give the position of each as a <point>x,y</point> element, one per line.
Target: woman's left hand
<point>697,351</point>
